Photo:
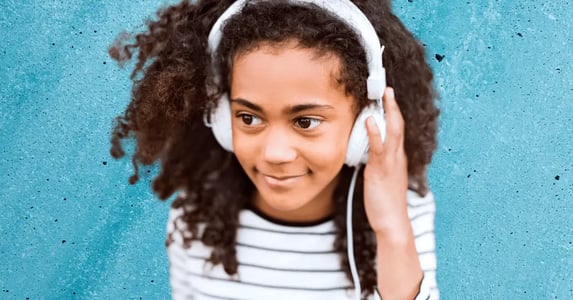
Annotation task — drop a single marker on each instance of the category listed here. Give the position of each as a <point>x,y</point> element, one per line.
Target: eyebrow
<point>291,110</point>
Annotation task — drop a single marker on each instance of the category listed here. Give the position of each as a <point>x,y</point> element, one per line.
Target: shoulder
<point>414,199</point>
<point>176,211</point>
<point>421,211</point>
<point>177,228</point>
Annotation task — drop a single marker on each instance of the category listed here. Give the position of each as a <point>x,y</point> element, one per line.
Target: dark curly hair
<point>171,81</point>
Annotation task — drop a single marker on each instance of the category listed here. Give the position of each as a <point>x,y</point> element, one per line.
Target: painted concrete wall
<point>71,226</point>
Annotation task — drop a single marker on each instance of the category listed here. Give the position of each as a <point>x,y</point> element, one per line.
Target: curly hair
<point>171,80</point>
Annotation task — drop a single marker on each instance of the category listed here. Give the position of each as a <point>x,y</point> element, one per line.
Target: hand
<point>386,173</point>
<point>385,187</point>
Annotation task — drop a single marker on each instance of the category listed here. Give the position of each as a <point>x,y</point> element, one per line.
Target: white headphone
<point>357,153</point>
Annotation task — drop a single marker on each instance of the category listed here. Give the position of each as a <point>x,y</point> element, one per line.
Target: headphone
<point>219,119</point>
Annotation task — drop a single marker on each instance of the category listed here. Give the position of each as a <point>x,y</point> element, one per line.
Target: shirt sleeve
<point>178,260</point>
<point>422,211</point>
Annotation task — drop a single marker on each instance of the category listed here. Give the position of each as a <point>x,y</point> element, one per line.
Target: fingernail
<point>372,124</point>
<point>391,93</point>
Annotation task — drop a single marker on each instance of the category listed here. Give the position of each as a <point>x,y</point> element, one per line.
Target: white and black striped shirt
<point>277,261</point>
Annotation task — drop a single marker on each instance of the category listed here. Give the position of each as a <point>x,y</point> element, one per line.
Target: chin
<point>284,201</point>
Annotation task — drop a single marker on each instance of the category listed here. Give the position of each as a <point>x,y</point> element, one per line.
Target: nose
<point>278,148</point>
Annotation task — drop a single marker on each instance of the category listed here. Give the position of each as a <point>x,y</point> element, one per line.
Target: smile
<point>280,182</point>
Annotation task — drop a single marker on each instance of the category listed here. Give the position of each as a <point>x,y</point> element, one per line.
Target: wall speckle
<point>502,173</point>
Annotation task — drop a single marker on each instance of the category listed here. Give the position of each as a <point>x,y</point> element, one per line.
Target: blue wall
<point>71,226</point>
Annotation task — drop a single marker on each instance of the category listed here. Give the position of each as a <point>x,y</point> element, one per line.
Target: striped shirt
<point>278,261</point>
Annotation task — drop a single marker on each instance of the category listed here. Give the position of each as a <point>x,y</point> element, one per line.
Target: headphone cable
<point>349,233</point>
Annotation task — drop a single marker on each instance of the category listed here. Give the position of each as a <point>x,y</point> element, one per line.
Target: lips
<point>280,181</point>
<point>281,177</point>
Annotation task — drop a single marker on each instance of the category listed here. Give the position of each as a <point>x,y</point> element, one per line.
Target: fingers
<point>374,139</point>
<point>394,140</point>
<point>394,122</point>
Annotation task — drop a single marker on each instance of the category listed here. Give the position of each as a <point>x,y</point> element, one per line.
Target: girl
<point>261,202</point>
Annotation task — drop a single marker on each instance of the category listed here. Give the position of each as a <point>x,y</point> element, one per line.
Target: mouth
<point>280,182</point>
<point>279,178</point>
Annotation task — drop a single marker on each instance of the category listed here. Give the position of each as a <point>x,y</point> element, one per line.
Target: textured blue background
<point>72,227</point>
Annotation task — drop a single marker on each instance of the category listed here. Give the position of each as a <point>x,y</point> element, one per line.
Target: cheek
<point>329,153</point>
<point>244,147</point>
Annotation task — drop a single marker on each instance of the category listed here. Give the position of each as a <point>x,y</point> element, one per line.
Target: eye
<point>307,123</point>
<point>249,119</point>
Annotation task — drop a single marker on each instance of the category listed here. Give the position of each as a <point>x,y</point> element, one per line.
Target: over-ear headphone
<point>219,118</point>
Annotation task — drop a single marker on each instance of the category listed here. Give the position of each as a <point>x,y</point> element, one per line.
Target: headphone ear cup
<point>357,151</point>
<point>221,123</point>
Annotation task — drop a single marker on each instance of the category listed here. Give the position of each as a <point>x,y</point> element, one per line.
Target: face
<point>291,125</point>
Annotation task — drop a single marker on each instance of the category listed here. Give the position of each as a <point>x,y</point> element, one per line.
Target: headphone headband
<point>357,152</point>
<point>347,12</point>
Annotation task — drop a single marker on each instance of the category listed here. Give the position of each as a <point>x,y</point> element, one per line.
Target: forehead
<point>289,53</point>
<point>285,73</point>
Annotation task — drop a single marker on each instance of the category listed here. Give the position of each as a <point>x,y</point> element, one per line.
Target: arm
<point>401,220</point>
<point>406,260</point>
<point>398,266</point>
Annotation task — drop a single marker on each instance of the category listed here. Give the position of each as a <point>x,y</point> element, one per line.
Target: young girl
<point>261,201</point>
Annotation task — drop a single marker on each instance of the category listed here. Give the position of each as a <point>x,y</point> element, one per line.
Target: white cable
<point>349,239</point>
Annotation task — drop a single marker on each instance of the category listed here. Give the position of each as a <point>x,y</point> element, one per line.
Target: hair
<point>170,94</point>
